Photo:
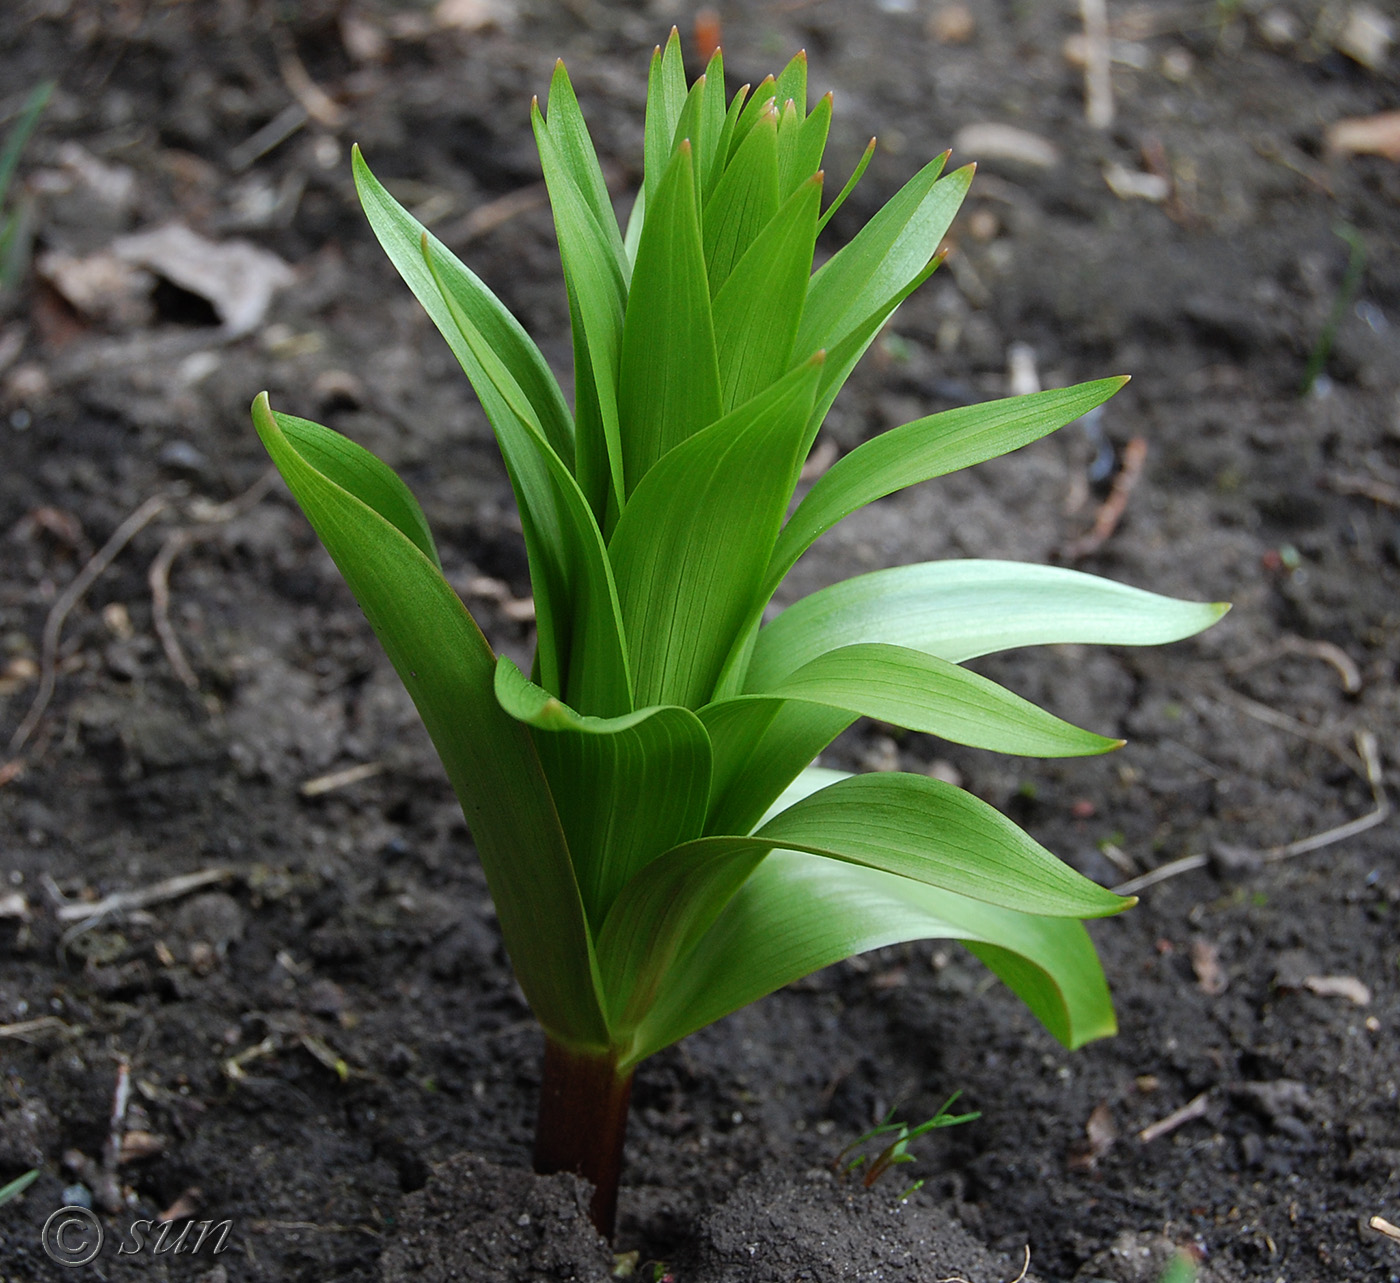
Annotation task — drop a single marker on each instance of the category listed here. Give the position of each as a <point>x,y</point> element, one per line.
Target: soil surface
<point>316,1033</point>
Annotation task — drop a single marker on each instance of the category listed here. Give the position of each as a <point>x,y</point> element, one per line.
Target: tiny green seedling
<point>13,1189</point>
<point>660,848</point>
<point>896,1151</point>
<point>15,218</point>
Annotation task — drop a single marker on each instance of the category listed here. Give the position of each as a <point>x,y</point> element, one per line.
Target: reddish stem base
<point>582,1124</point>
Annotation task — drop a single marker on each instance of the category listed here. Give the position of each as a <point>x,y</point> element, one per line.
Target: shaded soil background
<point>310,1031</point>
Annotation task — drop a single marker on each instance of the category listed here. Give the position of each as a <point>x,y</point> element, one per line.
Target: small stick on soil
<point>158,580</point>
<point>1025,1269</point>
<point>1098,81</point>
<point>1193,1109</point>
<point>485,219</point>
<point>340,779</point>
<point>1242,856</point>
<point>318,103</point>
<point>121,1097</point>
<point>1281,721</point>
<point>126,901</point>
<point>1326,651</point>
<point>158,575</point>
<point>70,597</point>
<point>1111,512</point>
<point>1383,1226</point>
<point>1368,487</point>
<point>25,1030</point>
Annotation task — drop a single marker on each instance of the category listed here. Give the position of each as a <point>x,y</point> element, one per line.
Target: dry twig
<point>128,901</point>
<point>1111,512</point>
<point>1098,82</point>
<point>1245,857</point>
<point>1326,651</point>
<point>210,518</point>
<point>1367,487</point>
<point>58,613</point>
<point>1193,1109</point>
<point>1383,1226</point>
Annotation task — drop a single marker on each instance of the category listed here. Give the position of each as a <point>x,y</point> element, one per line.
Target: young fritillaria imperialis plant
<point>659,847</point>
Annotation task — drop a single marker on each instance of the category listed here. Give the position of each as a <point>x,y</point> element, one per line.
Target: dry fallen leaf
<point>1100,1134</point>
<point>235,277</point>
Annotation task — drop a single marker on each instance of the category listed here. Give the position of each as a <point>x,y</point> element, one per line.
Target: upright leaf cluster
<point>660,849</point>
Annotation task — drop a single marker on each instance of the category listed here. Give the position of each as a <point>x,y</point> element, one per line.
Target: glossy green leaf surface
<point>690,549</point>
<point>761,744</point>
<point>757,309</point>
<point>669,381</point>
<point>626,788</point>
<point>927,830</point>
<point>921,692</point>
<point>886,254</point>
<point>597,291</point>
<point>447,667</point>
<point>744,199</point>
<point>666,97</point>
<point>927,448</point>
<point>401,235</point>
<point>797,913</point>
<point>582,649</point>
<point>961,609</point>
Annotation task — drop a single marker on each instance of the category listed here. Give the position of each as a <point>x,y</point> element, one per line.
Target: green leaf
<point>760,104</point>
<point>666,95</point>
<point>597,291</point>
<point>660,916</point>
<point>744,200</point>
<point>844,356</point>
<point>850,186</point>
<point>798,913</point>
<point>917,828</point>
<point>961,609</point>
<point>713,115</point>
<point>757,309</point>
<point>569,133</point>
<point>927,448</point>
<point>669,382</point>
<point>401,235</point>
<point>690,548</point>
<point>927,830</point>
<point>448,669</point>
<point>923,693</point>
<point>627,788</point>
<point>791,85</point>
<point>760,746</point>
<point>885,255</point>
<point>582,651</point>
<point>722,148</point>
<point>350,466</point>
<point>800,157</point>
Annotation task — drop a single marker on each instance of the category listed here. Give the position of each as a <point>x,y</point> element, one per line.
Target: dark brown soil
<point>312,1032</point>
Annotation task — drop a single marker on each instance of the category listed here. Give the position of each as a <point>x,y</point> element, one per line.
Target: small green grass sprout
<point>659,846</point>
<point>13,1189</point>
<point>16,217</point>
<point>896,1151</point>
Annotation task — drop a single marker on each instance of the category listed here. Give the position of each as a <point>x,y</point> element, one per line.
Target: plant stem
<point>582,1123</point>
